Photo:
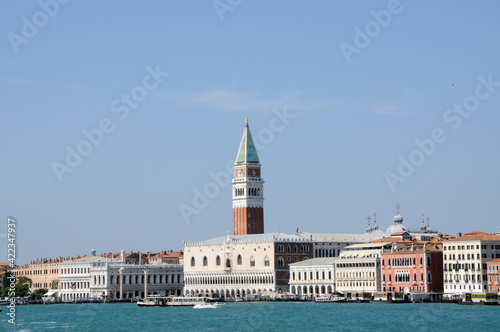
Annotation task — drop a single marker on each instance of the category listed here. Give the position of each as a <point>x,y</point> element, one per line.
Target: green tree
<point>37,294</point>
<point>24,281</point>
<point>5,281</point>
<point>20,290</point>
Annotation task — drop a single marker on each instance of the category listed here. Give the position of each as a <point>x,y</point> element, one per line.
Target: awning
<point>50,293</point>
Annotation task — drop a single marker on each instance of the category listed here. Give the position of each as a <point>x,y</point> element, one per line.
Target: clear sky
<point>354,106</point>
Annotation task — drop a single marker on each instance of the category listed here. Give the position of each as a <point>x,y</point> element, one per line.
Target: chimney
<point>459,234</point>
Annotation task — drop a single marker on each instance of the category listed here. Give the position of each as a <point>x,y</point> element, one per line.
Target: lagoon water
<point>263,316</point>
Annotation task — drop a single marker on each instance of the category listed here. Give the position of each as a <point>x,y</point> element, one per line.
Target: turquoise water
<point>263,316</point>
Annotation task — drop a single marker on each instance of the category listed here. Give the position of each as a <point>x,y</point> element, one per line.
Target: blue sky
<point>349,118</point>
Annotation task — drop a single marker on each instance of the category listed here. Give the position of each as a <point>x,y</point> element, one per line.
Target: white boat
<point>209,305</point>
<point>322,299</point>
<point>184,301</point>
<point>338,299</point>
<point>153,301</point>
<point>328,299</point>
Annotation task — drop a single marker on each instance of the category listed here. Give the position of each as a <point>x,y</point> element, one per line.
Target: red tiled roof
<point>494,261</point>
<point>391,239</point>
<point>477,236</point>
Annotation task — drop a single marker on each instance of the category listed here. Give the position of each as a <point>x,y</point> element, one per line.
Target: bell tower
<point>248,189</point>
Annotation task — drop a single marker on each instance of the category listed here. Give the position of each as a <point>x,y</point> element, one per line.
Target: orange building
<point>493,276</point>
<point>413,268</point>
<point>44,273</point>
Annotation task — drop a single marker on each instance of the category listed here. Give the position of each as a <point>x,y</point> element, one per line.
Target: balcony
<point>421,282</point>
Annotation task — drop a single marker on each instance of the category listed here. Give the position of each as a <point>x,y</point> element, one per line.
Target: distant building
<point>98,277</point>
<point>313,277</point>
<point>358,268</point>
<point>425,233</point>
<point>237,266</point>
<point>44,273</point>
<point>331,244</point>
<point>493,268</point>
<point>165,257</point>
<point>413,268</point>
<point>465,261</point>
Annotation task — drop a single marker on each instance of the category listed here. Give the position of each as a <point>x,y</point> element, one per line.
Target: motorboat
<point>209,305</point>
<point>338,299</point>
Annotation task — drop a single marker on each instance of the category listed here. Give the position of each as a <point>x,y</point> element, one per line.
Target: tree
<point>24,281</point>
<point>5,281</point>
<point>37,294</point>
<point>20,291</point>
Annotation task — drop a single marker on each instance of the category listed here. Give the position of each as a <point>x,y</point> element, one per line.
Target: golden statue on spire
<point>246,120</point>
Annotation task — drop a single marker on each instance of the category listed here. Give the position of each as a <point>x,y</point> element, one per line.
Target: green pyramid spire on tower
<point>247,152</point>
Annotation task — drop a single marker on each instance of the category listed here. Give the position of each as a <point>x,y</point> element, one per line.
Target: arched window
<point>266,261</point>
<point>205,261</point>
<point>390,277</point>
<point>193,262</point>
<point>228,262</point>
<point>217,260</point>
<point>240,260</point>
<point>289,248</point>
<point>252,261</point>
<point>296,248</point>
<point>383,277</point>
<point>281,262</point>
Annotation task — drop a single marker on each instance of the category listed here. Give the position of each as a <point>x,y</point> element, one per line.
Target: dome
<point>398,218</point>
<point>396,228</point>
<point>398,223</point>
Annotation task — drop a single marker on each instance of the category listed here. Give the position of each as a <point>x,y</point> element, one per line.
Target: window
<point>240,260</point>
<point>289,259</point>
<point>205,261</point>
<point>281,248</point>
<point>296,248</point>
<point>217,260</point>
<point>281,262</point>
<point>266,261</point>
<point>252,261</point>
<point>228,262</point>
<point>193,261</point>
<point>289,248</point>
